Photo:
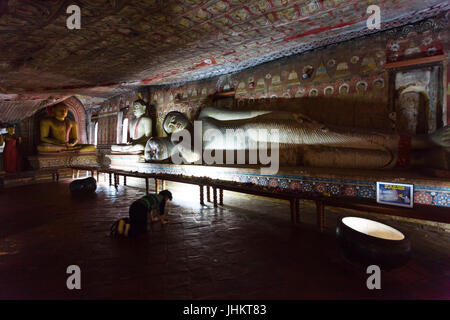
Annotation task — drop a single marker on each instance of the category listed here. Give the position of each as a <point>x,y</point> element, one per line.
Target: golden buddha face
<point>10,130</point>
<point>60,111</point>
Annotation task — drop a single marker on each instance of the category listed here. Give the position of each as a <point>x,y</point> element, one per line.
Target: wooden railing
<point>423,212</point>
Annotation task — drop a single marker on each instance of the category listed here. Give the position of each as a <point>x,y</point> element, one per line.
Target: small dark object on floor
<point>369,242</point>
<point>83,186</point>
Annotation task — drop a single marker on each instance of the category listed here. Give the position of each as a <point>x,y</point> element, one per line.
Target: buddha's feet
<point>441,137</point>
<point>128,148</point>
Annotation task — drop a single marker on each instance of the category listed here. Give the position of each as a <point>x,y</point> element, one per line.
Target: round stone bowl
<point>370,242</point>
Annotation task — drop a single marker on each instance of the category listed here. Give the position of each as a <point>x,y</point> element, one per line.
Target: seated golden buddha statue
<point>60,134</point>
<point>140,130</point>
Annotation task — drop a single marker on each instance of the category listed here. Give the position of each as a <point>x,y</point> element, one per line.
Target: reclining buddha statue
<point>60,134</point>
<point>321,146</point>
<point>140,130</point>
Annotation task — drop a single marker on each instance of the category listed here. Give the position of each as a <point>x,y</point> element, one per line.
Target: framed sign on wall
<point>396,194</point>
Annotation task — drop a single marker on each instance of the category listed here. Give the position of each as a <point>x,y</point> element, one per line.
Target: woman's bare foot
<point>163,221</point>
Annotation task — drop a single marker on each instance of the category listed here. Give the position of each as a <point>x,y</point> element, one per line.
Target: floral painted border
<point>428,195</point>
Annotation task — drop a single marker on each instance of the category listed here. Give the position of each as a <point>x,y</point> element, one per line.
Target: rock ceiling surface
<point>124,44</point>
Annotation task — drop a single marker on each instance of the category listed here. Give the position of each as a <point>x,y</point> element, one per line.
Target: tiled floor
<point>246,250</point>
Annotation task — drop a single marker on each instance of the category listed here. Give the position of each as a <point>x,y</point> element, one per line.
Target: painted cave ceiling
<point>125,44</point>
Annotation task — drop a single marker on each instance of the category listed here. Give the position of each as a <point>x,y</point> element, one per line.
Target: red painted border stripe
<point>318,30</point>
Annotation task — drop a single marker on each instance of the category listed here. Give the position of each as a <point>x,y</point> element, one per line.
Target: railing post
<point>208,194</point>
<point>202,202</point>
<point>292,205</point>
<point>320,215</point>
<point>215,196</point>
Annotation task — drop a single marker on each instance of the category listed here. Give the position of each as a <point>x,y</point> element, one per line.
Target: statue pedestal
<point>353,183</point>
<point>42,161</point>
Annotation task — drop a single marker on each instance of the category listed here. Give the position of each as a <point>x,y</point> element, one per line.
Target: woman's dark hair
<point>166,193</point>
<point>162,205</point>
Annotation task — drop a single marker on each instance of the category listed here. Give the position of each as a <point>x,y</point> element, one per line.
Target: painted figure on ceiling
<point>323,146</point>
<point>140,130</point>
<point>60,134</point>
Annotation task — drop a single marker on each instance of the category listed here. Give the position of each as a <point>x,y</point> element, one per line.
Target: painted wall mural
<point>347,81</point>
<point>420,41</point>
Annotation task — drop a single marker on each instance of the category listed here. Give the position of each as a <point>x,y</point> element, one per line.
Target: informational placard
<point>396,194</point>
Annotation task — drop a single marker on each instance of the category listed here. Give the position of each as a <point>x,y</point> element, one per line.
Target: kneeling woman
<point>149,206</point>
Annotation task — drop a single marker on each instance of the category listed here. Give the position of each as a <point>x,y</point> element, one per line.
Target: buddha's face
<point>10,130</point>
<point>409,100</point>
<point>138,109</point>
<point>60,111</point>
<point>157,149</point>
<point>378,84</point>
<point>175,121</point>
<point>360,88</point>
<point>343,90</point>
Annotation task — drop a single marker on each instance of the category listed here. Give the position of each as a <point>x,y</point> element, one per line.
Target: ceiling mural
<point>125,44</point>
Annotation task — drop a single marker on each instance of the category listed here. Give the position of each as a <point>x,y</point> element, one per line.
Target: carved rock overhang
<point>126,44</point>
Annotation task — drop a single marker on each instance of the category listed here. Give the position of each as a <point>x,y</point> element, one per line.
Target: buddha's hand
<point>441,137</point>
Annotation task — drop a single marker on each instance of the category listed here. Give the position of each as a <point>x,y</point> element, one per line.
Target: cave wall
<point>345,84</point>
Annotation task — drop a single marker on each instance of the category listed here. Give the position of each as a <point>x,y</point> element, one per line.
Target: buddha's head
<point>11,130</point>
<point>378,84</point>
<point>361,87</point>
<point>343,90</point>
<point>410,100</point>
<point>139,108</point>
<point>175,121</point>
<point>60,111</point>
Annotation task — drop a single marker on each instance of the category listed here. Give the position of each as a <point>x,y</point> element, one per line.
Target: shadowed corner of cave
<point>361,195</point>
